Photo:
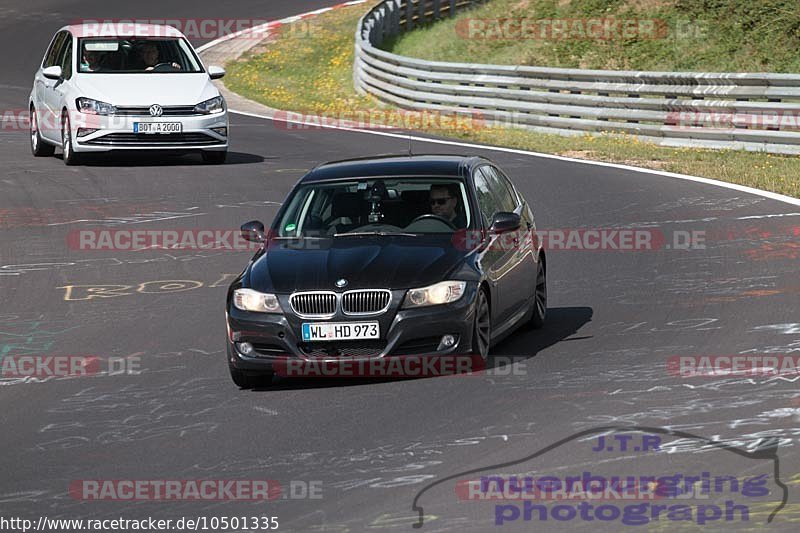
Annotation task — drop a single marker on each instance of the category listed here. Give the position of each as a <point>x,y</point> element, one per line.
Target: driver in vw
<point>92,61</point>
<point>149,55</point>
<point>444,203</point>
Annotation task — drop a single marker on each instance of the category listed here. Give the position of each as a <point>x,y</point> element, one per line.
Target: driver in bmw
<point>444,203</point>
<point>149,55</point>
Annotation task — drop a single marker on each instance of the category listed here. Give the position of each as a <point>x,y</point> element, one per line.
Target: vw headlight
<point>214,105</point>
<point>444,292</point>
<point>260,302</point>
<point>94,107</point>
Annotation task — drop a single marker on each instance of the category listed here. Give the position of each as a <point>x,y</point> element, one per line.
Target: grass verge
<point>308,69</point>
<point>700,35</point>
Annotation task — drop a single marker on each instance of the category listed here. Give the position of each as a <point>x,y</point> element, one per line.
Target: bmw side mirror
<point>253,231</point>
<point>504,222</point>
<point>52,73</point>
<point>215,72</point>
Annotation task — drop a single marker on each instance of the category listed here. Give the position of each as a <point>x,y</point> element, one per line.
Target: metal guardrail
<point>751,111</point>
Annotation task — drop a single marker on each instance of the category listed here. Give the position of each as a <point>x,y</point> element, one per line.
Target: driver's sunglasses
<point>440,201</point>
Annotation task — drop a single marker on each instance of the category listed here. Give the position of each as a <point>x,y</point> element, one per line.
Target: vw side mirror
<point>215,72</point>
<point>52,73</point>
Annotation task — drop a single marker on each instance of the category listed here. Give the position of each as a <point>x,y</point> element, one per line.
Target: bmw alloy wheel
<point>482,333</point>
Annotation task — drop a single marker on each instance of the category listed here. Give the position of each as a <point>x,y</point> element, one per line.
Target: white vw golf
<point>126,87</point>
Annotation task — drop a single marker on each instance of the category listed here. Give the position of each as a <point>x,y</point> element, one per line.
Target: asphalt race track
<point>353,454</point>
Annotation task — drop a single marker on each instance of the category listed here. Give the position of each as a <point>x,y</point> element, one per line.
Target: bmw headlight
<point>214,105</point>
<point>94,107</point>
<point>443,292</point>
<point>260,302</point>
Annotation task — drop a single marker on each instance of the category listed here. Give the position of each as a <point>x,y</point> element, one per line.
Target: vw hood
<point>145,89</point>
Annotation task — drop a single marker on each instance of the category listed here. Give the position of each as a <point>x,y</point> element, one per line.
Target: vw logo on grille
<point>156,110</point>
<point>341,283</point>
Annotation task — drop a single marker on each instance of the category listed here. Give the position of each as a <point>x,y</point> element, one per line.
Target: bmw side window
<point>506,197</point>
<point>487,202</point>
<point>292,217</point>
<point>66,60</point>
<point>54,53</point>
<point>510,186</point>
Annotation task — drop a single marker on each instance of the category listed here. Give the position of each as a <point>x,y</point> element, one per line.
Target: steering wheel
<point>431,216</point>
<point>162,67</point>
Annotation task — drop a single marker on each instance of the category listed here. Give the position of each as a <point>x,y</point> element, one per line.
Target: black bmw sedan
<point>429,255</point>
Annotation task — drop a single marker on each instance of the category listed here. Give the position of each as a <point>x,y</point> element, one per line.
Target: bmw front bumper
<point>403,332</point>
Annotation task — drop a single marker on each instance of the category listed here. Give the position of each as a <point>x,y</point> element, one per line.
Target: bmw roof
<point>393,165</point>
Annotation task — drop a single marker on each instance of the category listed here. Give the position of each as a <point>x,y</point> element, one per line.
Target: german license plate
<point>337,331</point>
<point>157,127</point>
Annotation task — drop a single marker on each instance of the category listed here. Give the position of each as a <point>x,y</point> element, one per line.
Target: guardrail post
<point>381,24</point>
<point>394,15</point>
<point>369,25</point>
<point>436,6</point>
<point>409,15</point>
<point>357,60</point>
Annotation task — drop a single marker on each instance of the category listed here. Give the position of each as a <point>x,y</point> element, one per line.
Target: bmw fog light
<point>245,348</point>
<point>448,341</point>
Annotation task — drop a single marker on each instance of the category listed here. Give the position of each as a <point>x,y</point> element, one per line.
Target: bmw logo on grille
<point>341,283</point>
<point>156,110</point>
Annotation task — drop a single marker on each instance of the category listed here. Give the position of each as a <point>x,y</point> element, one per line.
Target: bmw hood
<point>145,89</point>
<point>365,262</point>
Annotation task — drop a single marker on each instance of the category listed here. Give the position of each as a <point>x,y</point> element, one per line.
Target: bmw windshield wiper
<point>371,233</point>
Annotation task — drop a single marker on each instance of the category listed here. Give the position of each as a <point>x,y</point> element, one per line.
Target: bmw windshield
<point>376,206</point>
